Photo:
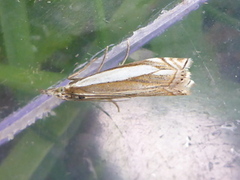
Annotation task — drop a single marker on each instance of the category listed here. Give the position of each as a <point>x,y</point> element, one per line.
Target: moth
<point>150,77</point>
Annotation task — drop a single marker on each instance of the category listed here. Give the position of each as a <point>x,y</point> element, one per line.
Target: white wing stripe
<point>118,74</point>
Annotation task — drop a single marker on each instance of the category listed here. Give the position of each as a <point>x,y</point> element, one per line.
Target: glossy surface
<point>187,137</point>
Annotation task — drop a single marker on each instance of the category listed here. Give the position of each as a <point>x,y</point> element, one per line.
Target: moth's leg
<point>105,55</point>
<point>112,101</point>
<point>104,58</point>
<point>101,109</point>
<point>127,53</point>
<point>71,77</point>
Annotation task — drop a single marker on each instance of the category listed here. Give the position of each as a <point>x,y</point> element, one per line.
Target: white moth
<point>151,77</point>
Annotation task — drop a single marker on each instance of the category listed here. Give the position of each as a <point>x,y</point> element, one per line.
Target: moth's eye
<point>81,97</point>
<point>60,89</point>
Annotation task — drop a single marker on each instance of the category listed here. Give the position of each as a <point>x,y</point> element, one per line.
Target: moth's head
<point>58,92</point>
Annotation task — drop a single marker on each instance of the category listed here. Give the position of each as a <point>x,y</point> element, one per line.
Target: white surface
<point>159,138</point>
